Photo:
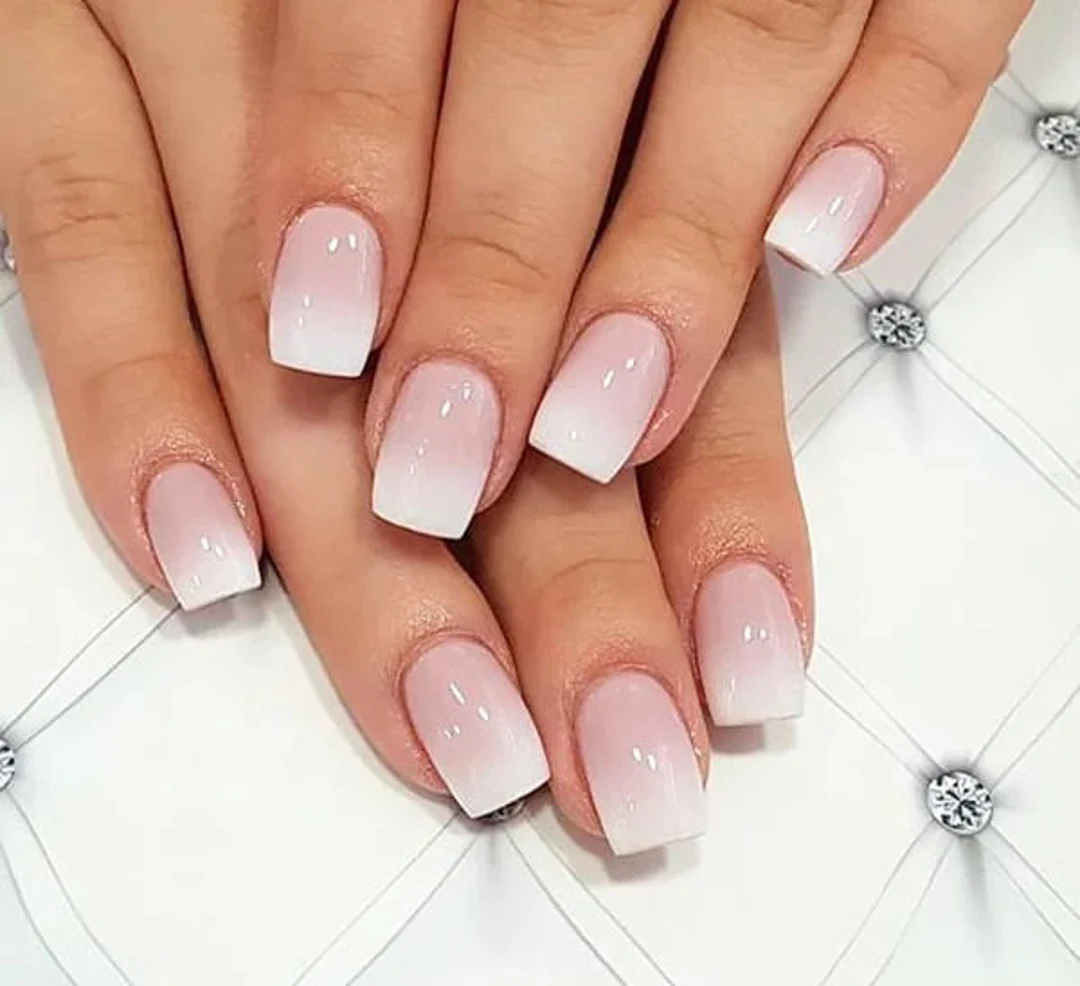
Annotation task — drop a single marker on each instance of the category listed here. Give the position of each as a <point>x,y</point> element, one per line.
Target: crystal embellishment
<point>1059,133</point>
<point>897,324</point>
<point>959,802</point>
<point>504,814</point>
<point>7,253</point>
<point>7,764</point>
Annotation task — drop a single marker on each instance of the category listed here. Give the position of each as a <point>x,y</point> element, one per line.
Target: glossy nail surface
<point>829,209</point>
<point>604,395</point>
<point>437,449</point>
<point>324,306</point>
<point>749,651</point>
<point>640,764</point>
<point>198,537</point>
<point>475,726</point>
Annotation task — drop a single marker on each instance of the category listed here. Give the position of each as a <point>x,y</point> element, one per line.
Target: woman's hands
<point>601,599</point>
<point>126,175</point>
<point>467,242</point>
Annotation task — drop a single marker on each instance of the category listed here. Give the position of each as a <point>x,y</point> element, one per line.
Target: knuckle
<point>787,22</point>
<point>71,213</point>
<point>492,247</point>
<point>741,457</point>
<point>568,24</point>
<point>686,235</point>
<point>135,377</point>
<point>931,70</point>
<point>739,472</point>
<point>571,580</point>
<point>348,85</point>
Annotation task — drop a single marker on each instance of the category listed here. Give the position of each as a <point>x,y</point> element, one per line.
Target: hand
<point>578,579</point>
<point>464,208</point>
<point>701,585</point>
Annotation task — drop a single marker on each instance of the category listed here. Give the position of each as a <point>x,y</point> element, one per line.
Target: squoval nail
<point>829,209</point>
<point>437,450</point>
<point>597,408</point>
<point>640,764</point>
<point>475,727</point>
<point>198,537</point>
<point>748,645</point>
<point>324,305</point>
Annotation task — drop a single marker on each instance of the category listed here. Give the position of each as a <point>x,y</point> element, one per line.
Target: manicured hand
<point>435,174</point>
<point>125,175</point>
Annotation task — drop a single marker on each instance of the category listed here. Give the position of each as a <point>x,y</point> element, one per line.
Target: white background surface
<point>192,807</point>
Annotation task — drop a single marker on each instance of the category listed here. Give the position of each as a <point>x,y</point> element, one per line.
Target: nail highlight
<point>640,764</point>
<point>198,537</point>
<point>749,650</point>
<point>830,208</point>
<point>436,453</point>
<point>324,306</point>
<point>603,397</point>
<point>475,727</point>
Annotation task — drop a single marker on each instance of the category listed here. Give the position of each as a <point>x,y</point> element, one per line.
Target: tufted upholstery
<point>191,808</point>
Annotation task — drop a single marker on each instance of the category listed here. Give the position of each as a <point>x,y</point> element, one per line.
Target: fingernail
<point>474,726</point>
<point>324,305</point>
<point>436,453</point>
<point>603,397</point>
<point>830,208</point>
<point>640,764</point>
<point>748,645</point>
<point>198,537</point>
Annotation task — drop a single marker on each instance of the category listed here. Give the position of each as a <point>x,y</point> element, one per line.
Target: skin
<point>155,156</point>
<point>504,265</point>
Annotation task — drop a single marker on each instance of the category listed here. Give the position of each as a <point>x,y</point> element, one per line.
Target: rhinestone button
<point>1059,133</point>
<point>7,764</point>
<point>896,324</point>
<point>7,254</point>
<point>504,814</point>
<point>959,802</point>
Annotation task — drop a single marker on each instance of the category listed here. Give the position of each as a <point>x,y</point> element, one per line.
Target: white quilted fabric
<point>192,809</point>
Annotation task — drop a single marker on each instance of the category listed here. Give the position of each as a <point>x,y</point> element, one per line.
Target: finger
<point>408,640</point>
<point>537,95</point>
<point>344,171</point>
<point>571,574</point>
<point>663,290</point>
<point>728,529</point>
<point>892,127</point>
<point>102,277</point>
<point>412,647</point>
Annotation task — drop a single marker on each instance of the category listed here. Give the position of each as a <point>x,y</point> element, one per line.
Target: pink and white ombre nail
<point>830,208</point>
<point>324,306</point>
<point>437,450</point>
<point>598,406</point>
<point>197,535</point>
<point>640,764</point>
<point>749,651</point>
<point>475,726</point>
